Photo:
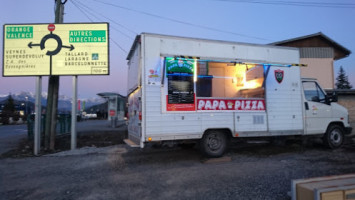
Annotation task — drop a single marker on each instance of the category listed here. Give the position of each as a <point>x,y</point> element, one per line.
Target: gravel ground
<point>256,171</point>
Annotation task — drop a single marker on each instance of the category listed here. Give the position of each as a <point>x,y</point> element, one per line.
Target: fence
<point>63,124</point>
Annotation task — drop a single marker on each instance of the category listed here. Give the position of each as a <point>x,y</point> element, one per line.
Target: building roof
<point>110,94</point>
<point>316,40</point>
<point>341,91</point>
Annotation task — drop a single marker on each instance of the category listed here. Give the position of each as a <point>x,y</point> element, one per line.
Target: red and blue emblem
<point>279,75</point>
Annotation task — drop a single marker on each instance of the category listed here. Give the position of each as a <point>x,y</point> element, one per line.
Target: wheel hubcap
<point>214,142</point>
<point>335,136</point>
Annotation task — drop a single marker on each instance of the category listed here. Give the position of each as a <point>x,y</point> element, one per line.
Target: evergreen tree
<point>8,111</point>
<point>342,80</point>
<point>10,105</point>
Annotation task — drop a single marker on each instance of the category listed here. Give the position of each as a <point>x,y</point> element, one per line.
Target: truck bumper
<point>348,131</point>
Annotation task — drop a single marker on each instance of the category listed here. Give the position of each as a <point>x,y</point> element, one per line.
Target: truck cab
<point>323,115</point>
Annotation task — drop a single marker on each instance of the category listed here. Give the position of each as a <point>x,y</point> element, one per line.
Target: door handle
<point>306,105</point>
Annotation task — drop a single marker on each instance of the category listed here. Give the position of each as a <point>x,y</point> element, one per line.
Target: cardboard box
<point>324,188</point>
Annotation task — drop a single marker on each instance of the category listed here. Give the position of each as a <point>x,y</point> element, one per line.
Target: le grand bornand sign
<point>56,49</point>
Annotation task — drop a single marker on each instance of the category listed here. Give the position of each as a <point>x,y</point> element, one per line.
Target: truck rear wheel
<point>334,137</point>
<point>213,143</point>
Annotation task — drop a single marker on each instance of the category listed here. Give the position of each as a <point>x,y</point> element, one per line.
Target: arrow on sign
<point>31,45</point>
<point>71,47</point>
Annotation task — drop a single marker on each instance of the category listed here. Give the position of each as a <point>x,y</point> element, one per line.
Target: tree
<point>342,80</point>
<point>10,105</point>
<point>8,110</point>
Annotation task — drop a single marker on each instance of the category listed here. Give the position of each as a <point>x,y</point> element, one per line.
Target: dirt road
<point>256,171</point>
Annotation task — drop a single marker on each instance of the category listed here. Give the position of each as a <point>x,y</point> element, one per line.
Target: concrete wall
<point>348,102</point>
<point>346,98</point>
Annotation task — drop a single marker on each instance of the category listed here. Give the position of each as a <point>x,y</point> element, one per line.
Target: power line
<point>118,45</point>
<point>92,12</point>
<point>181,22</point>
<point>295,3</point>
<point>82,11</point>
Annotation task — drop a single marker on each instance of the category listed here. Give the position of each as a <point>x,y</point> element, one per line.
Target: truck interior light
<point>234,80</point>
<point>251,84</point>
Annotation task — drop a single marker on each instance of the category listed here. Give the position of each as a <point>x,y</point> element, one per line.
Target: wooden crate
<point>324,188</point>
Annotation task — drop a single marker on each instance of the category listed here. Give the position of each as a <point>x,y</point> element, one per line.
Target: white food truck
<point>210,91</point>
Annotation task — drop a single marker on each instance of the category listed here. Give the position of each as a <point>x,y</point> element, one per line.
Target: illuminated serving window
<point>229,80</point>
<point>196,84</point>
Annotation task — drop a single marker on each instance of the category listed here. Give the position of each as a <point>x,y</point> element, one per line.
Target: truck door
<point>318,113</point>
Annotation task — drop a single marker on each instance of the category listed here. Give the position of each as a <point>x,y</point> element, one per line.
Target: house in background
<point>319,53</point>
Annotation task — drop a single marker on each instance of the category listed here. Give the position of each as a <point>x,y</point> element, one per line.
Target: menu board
<point>181,96</point>
<point>180,89</point>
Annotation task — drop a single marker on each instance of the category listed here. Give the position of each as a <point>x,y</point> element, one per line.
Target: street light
<point>26,106</point>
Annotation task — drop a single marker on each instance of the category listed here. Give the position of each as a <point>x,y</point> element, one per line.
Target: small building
<point>319,53</point>
<point>116,104</point>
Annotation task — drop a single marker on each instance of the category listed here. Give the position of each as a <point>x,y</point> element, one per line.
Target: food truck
<point>210,91</point>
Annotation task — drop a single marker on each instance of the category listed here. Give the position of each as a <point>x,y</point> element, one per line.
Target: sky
<point>250,21</point>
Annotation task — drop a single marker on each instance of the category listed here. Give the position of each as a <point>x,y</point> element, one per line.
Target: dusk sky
<point>251,21</point>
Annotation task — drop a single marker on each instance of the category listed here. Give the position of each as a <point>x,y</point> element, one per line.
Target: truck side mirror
<point>315,99</point>
<point>334,97</point>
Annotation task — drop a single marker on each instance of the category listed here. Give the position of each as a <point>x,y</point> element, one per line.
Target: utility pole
<point>53,91</point>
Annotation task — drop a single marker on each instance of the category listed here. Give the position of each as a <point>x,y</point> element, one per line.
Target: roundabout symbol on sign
<point>51,35</point>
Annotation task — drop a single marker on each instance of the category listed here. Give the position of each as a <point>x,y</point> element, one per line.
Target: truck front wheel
<point>334,137</point>
<point>213,143</point>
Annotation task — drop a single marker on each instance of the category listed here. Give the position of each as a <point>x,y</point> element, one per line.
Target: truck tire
<point>334,137</point>
<point>213,143</point>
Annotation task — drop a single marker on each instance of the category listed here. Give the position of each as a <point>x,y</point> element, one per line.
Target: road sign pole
<point>73,112</point>
<point>53,89</point>
<point>38,104</point>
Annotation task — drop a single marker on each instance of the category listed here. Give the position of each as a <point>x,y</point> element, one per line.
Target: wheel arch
<point>339,123</point>
<point>226,131</point>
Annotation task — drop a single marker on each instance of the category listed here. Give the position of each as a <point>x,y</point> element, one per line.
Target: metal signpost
<point>73,113</point>
<point>55,49</point>
<point>38,111</point>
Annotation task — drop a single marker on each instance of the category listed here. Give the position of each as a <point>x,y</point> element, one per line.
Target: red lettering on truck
<point>231,104</point>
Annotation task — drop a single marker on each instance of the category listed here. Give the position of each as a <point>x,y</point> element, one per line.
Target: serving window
<point>195,84</point>
<point>229,80</point>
